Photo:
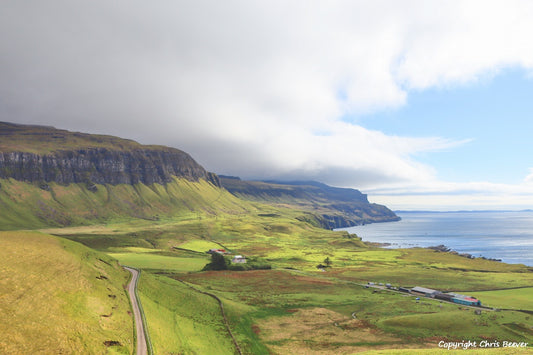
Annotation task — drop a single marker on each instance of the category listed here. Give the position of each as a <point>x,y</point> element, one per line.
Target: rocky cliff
<point>102,166</point>
<point>83,158</point>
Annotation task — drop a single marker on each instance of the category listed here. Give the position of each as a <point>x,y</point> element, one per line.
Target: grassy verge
<point>181,320</point>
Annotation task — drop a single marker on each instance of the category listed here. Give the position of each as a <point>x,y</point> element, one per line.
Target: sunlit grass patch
<point>140,250</point>
<point>160,262</point>
<point>199,245</point>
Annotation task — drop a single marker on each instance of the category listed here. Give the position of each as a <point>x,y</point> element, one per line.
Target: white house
<point>238,259</point>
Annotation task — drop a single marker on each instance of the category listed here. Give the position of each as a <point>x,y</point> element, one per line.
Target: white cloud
<point>445,196</point>
<point>255,88</point>
<point>529,178</point>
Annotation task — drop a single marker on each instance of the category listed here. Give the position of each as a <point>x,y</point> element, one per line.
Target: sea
<point>501,235</point>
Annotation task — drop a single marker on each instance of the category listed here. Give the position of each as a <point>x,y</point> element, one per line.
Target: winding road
<point>142,349</point>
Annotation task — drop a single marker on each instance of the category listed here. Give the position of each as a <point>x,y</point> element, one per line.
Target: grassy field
<point>161,262</point>
<point>200,246</point>
<point>295,313</point>
<point>521,298</point>
<point>509,326</point>
<point>61,297</point>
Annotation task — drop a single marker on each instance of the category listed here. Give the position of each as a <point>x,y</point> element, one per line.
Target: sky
<point>424,105</point>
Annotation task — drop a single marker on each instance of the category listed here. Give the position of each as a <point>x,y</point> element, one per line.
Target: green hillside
<point>28,206</point>
<point>59,297</point>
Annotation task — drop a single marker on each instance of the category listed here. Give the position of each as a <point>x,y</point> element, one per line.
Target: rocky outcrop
<point>103,166</point>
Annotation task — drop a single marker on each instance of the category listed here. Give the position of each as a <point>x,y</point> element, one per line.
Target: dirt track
<point>142,349</point>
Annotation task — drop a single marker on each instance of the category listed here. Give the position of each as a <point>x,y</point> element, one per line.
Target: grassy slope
<point>60,297</point>
<point>26,206</point>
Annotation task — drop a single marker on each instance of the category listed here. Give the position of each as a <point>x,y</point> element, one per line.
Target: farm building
<point>449,297</point>
<point>466,300</point>
<point>444,296</point>
<point>219,251</point>
<point>457,298</point>
<point>238,259</point>
<point>469,301</point>
<point>425,291</point>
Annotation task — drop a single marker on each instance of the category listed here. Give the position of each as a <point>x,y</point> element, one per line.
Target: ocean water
<point>499,235</point>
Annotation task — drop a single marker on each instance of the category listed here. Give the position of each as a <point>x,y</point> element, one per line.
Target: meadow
<point>514,298</point>
<point>161,262</point>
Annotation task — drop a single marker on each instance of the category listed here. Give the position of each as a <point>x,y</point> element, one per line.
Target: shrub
<point>218,262</point>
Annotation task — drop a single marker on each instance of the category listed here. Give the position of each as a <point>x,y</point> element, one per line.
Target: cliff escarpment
<point>102,166</point>
<point>45,154</point>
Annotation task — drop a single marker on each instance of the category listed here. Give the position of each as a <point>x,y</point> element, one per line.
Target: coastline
<point>504,236</point>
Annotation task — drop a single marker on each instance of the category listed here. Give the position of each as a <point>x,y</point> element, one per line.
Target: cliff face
<point>46,154</point>
<point>102,166</point>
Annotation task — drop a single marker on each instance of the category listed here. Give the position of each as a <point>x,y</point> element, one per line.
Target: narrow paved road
<point>142,349</point>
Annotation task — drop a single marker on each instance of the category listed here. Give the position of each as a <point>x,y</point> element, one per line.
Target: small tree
<point>327,261</point>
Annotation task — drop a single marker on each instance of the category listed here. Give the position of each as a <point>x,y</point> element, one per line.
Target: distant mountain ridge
<point>337,193</point>
<point>334,207</point>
